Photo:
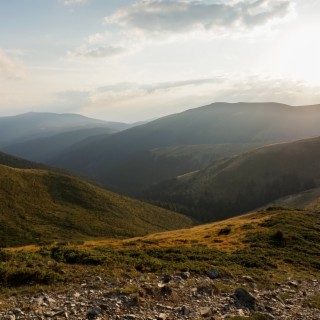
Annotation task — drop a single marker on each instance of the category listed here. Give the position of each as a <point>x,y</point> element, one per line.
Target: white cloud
<point>167,17</point>
<point>156,21</point>
<point>11,68</point>
<point>97,52</point>
<point>133,102</point>
<point>73,2</point>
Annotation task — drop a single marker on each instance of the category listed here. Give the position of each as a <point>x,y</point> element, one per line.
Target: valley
<point>117,221</point>
<point>159,160</point>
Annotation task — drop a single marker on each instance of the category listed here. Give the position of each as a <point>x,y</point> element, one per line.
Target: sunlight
<point>300,54</point>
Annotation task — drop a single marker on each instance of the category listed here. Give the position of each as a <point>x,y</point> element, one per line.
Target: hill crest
<point>39,205</point>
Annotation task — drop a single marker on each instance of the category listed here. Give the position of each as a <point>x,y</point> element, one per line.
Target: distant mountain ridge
<point>137,158</point>
<point>241,125</point>
<point>23,127</point>
<point>44,149</point>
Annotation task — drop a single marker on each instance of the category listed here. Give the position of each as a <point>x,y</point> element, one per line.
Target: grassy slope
<point>309,200</point>
<point>15,162</point>
<point>274,240</point>
<point>42,206</point>
<point>244,182</point>
<point>269,245</point>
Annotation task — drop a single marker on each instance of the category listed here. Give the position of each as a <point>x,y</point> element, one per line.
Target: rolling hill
<point>40,206</point>
<point>23,127</point>
<point>216,124</point>
<point>44,149</point>
<point>228,235</point>
<point>148,167</point>
<point>242,183</point>
<point>16,162</point>
<point>308,200</point>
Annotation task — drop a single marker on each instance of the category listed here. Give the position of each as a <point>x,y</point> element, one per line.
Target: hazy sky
<point>133,60</point>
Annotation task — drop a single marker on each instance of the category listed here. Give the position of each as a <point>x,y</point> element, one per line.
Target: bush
<point>5,255</point>
<point>75,256</point>
<point>278,238</point>
<point>25,276</point>
<point>224,231</point>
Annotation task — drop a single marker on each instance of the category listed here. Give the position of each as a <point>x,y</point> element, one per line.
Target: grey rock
<point>94,312</point>
<point>166,278</point>
<point>213,274</point>
<point>185,311</point>
<point>205,312</point>
<point>248,278</point>
<point>245,298</point>
<point>184,275</point>
<point>162,316</point>
<point>209,290</point>
<point>16,311</point>
<point>293,284</point>
<point>129,317</point>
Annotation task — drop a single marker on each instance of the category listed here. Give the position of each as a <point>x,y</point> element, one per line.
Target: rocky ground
<point>179,296</point>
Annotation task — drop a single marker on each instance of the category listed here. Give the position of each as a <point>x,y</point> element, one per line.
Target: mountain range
<point>209,163</point>
<point>129,160</point>
<point>133,159</point>
<point>23,127</point>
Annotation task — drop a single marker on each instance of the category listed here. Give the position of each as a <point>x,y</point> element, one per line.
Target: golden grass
<point>29,248</point>
<point>205,235</point>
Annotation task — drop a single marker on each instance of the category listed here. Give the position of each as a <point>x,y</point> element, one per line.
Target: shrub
<point>75,256</point>
<point>278,238</point>
<point>23,276</point>
<point>5,255</point>
<point>224,231</point>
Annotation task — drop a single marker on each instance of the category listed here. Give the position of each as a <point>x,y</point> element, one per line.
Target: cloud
<point>232,87</point>
<point>98,52</point>
<point>133,102</point>
<point>70,101</point>
<point>73,2</point>
<point>11,68</point>
<point>167,17</point>
<point>154,21</point>
<point>161,86</point>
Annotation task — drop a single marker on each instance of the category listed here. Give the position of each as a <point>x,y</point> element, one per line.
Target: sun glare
<point>299,56</point>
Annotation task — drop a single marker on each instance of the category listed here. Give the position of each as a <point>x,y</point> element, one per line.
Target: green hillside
<point>15,162</point>
<point>243,183</point>
<point>39,206</point>
<point>270,246</point>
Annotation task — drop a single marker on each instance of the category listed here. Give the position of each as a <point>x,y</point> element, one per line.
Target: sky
<point>132,60</point>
